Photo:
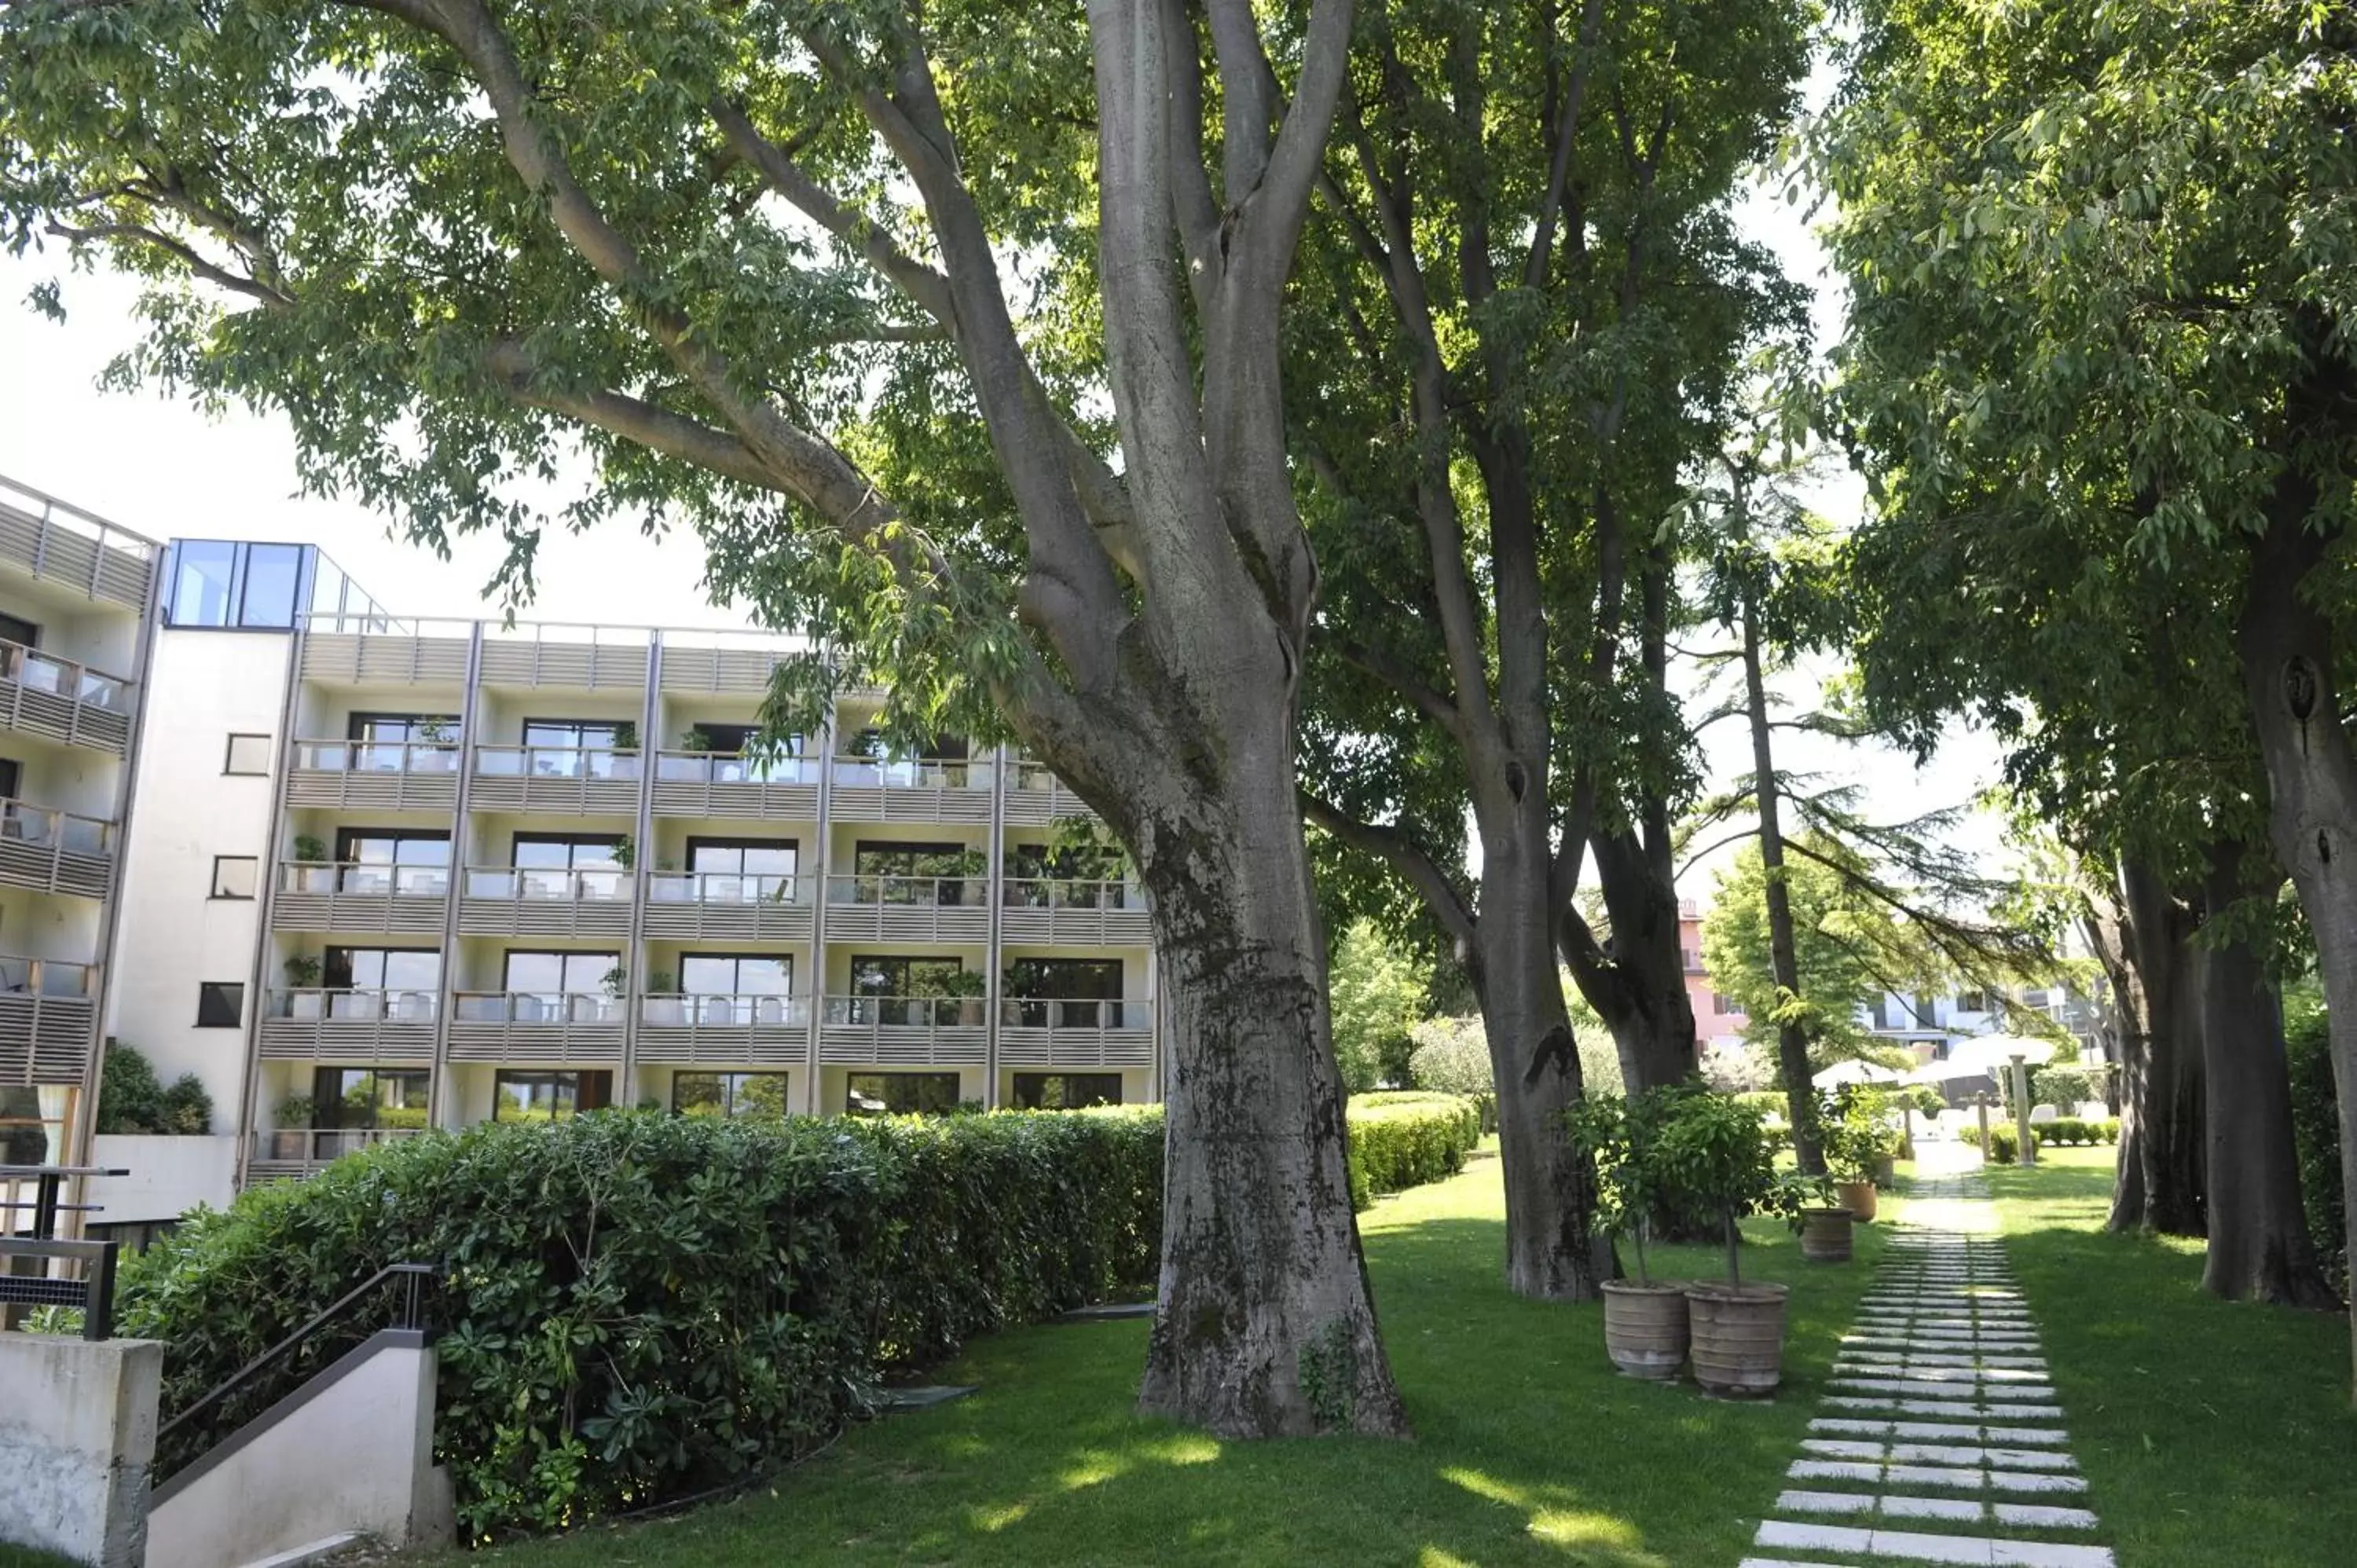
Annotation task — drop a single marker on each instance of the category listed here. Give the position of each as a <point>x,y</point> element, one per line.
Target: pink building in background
<point>1717,1024</point>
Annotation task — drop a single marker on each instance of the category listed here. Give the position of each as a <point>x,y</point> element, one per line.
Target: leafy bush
<point>2004,1147</point>
<point>2065,1088</point>
<point>2316,1131</point>
<point>1859,1126</point>
<point>1625,1138</point>
<point>1452,1055</point>
<point>1714,1156</point>
<point>1405,1138</point>
<point>132,1100</point>
<point>2069,1131</point>
<point>641,1307</point>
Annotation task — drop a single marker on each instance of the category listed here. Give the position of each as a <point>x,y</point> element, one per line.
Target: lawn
<point>2210,1433</point>
<point>1528,1448</point>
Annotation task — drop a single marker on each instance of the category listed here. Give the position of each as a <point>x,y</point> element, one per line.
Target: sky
<point>167,469</point>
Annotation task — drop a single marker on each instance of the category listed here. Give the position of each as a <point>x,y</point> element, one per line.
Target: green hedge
<point>1401,1139</point>
<point>2004,1145</point>
<point>644,1307</point>
<point>2068,1132</point>
<point>2316,1131</point>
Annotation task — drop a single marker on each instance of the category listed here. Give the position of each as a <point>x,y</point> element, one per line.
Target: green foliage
<point>2065,1088</point>
<point>132,1100</point>
<point>1713,1154</point>
<point>2005,1144</point>
<point>640,1308</point>
<point>1859,1127</point>
<point>1635,1182</point>
<point>2315,1128</point>
<point>1378,993</point>
<point>1849,947</point>
<point>1452,1055</point>
<point>1404,1139</point>
<point>2070,1131</point>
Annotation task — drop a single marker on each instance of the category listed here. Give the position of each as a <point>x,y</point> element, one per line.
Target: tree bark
<point>2165,1101</point>
<point>1637,980</point>
<point>2289,675</point>
<point>1792,1044</point>
<point>2109,932</point>
<point>2259,1246</point>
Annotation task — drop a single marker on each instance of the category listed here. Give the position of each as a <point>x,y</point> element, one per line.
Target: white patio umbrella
<point>1992,1054</point>
<point>1943,1072</point>
<point>1841,1073</point>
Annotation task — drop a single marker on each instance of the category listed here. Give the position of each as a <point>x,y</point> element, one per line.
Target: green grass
<point>1528,1448</point>
<point>25,1557</point>
<point>2210,1433</point>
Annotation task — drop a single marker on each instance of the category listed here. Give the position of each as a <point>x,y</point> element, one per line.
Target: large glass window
<point>576,748</point>
<point>384,969</point>
<point>891,989</point>
<point>1064,992</point>
<point>729,1094</point>
<point>1065,1090</point>
<point>947,874</point>
<point>397,742</point>
<point>221,583</point>
<point>204,577</point>
<point>743,871</point>
<point>394,860</point>
<point>560,973</point>
<point>555,865</point>
<point>274,573</point>
<point>368,1097</point>
<point>900,1093</point>
<point>548,1096</point>
<point>737,974</point>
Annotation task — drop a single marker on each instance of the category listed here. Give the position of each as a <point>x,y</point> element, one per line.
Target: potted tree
<point>291,1137</point>
<point>1714,1156</point>
<point>303,979</point>
<point>1859,1146</point>
<point>1645,1320</point>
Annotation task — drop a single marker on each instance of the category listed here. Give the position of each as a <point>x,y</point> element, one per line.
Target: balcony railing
<point>46,977</point>
<point>60,700</point>
<point>706,1011</point>
<point>1029,892</point>
<point>904,1031</point>
<point>1076,1032</point>
<point>55,851</point>
<point>549,884</point>
<point>46,672</point>
<point>356,1005</point>
<point>1075,1013</point>
<point>546,901</point>
<point>735,767</point>
<point>929,892</point>
<point>566,780</point>
<point>907,1011</point>
<point>349,896</point>
<point>377,756</point>
<point>536,1008</point>
<point>596,762</point>
<point>1035,797</point>
<point>61,543</point>
<point>913,773</point>
<point>1103,914</point>
<point>48,1013</point>
<point>312,1148</point>
<point>908,909</point>
<point>724,888</point>
<point>361,879</point>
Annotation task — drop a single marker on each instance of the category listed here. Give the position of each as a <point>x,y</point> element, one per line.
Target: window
<point>235,876</point>
<point>20,631</point>
<point>402,743</point>
<point>946,874</point>
<point>1065,1090</point>
<point>729,1094</point>
<point>552,865</point>
<point>273,573</point>
<point>221,583</point>
<point>743,871</point>
<point>416,972</point>
<point>221,1004</point>
<point>248,755</point>
<point>394,860</point>
<point>1720,1006</point>
<point>579,748</point>
<point>1064,992</point>
<point>548,1096</point>
<point>204,576</point>
<point>33,1123</point>
<point>1972,1002</point>
<point>736,974</point>
<point>900,1093</point>
<point>368,1097</point>
<point>542,983</point>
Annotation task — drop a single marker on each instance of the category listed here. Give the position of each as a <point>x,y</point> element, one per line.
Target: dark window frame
<point>229,755</point>
<point>851,1081</point>
<point>1036,1081</point>
<point>583,1078</point>
<point>610,842</point>
<point>322,1099</point>
<point>577,726</point>
<point>329,968</point>
<point>214,996</point>
<point>786,959</point>
<point>739,842</point>
<point>220,860</point>
<point>356,726</point>
<point>32,630</point>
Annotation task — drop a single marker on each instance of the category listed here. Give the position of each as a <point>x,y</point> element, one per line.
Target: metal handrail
<point>735,767</point>
<point>550,884</point>
<point>1073,893</point>
<point>1076,1013</point>
<point>908,1011</point>
<point>412,1315</point>
<point>94,1294</point>
<point>921,892</point>
<point>568,1008</point>
<point>356,876</point>
<point>715,1010</point>
<point>723,887</point>
<point>43,826</point>
<point>913,773</point>
<point>1030,773</point>
<point>88,525</point>
<point>65,677</point>
<point>30,976</point>
<point>522,761</point>
<point>377,756</point>
<point>356,1004</point>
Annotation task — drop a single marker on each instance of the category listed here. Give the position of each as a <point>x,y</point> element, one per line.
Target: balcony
<point>573,780</point>
<point>1089,913</point>
<point>292,1154</point>
<point>341,896</point>
<point>48,1016</point>
<point>536,1028</point>
<point>870,790</point>
<point>727,906</point>
<point>56,699</point>
<point>1035,1032</point>
<point>341,647</point>
<point>904,1031</point>
<point>1035,797</point>
<point>536,653</point>
<point>55,851</point>
<point>56,543</point>
<point>729,784</point>
<point>376,775</point>
<point>723,1031</point>
<point>908,909</point>
<point>383,1029</point>
<point>541,901</point>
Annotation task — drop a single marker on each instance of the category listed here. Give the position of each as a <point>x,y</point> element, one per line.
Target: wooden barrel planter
<point>1645,1328</point>
<point>1826,1235</point>
<point>1738,1337</point>
<point>1858,1196</point>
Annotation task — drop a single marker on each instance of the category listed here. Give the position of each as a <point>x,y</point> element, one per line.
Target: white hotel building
<point>364,875</point>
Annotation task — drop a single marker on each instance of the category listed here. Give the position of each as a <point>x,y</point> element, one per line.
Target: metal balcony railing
<point>934,892</point>
<point>357,1005</point>
<point>1057,892</point>
<point>704,1010</point>
<point>735,767</point>
<point>536,1008</point>
<point>554,762</point>
<point>377,756</point>
<point>45,977</point>
<point>731,888</point>
<point>318,1145</point>
<point>873,772</point>
<point>361,878</point>
<point>908,1011</point>
<point>46,672</point>
<point>550,884</point>
<point>1076,1013</point>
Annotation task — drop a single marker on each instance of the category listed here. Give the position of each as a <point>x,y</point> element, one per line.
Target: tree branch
<point>1447,902</point>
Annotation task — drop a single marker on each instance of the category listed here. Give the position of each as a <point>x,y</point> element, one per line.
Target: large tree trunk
<point>2107,928</point>
<point>1641,990</point>
<point>2288,671</point>
<point>2259,1247</point>
<point>2162,1130</point>
<point>1792,1044</point>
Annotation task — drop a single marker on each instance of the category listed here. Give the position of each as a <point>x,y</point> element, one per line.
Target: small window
<point>236,876</point>
<point>248,755</point>
<point>221,1004</point>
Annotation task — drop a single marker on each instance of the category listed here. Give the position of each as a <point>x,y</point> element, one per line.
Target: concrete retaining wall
<point>77,1430</point>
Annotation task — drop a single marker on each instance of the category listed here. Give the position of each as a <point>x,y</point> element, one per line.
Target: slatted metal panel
<point>727,671</point>
<point>907,923</point>
<point>537,1044</point>
<point>767,802</point>
<point>767,920</point>
<point>1037,808</point>
<point>898,1045</point>
<point>59,554</point>
<point>1080,928</point>
<point>722,1045</point>
<point>912,803</point>
<point>31,711</point>
<point>407,915</point>
<point>354,1042</point>
<point>544,918</point>
<point>383,659</point>
<point>567,795</point>
<point>45,1040</point>
<point>585,664</point>
<point>362,789</point>
<point>47,868</point>
<point>1072,1048</point>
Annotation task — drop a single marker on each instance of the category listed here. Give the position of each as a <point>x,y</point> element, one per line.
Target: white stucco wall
<point>77,1430</point>
<point>169,1175</point>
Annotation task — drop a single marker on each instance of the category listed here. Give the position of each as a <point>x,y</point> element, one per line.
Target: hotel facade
<point>366,874</point>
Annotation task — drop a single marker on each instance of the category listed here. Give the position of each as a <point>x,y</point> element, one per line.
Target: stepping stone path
<point>1941,1439</point>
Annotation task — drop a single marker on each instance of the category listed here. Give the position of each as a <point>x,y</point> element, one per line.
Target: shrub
<point>1712,1156</point>
<point>641,1307</point>
<point>1858,1130</point>
<point>2066,1088</point>
<point>132,1100</point>
<point>1625,1138</point>
<point>2004,1147</point>
<point>2316,1131</point>
<point>1404,1138</point>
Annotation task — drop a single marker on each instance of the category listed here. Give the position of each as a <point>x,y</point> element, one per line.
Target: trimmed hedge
<point>2004,1145</point>
<point>1401,1139</point>
<point>643,1306</point>
<point>2069,1131</point>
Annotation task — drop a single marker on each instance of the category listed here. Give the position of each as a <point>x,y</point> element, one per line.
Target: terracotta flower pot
<point>1826,1235</point>
<point>1645,1328</point>
<point>1858,1196</point>
<point>1738,1337</point>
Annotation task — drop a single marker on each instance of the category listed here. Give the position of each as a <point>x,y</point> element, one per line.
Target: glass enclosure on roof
<point>261,586</point>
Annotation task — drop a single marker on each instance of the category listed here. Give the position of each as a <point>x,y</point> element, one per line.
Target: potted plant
<point>292,1117</point>
<point>1714,1156</point>
<point>692,738</point>
<point>1645,1320</point>
<point>626,735</point>
<point>1859,1146</point>
<point>303,979</point>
